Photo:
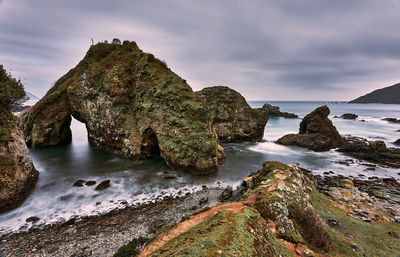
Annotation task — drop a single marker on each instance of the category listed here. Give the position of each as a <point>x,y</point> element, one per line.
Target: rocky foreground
<point>282,210</point>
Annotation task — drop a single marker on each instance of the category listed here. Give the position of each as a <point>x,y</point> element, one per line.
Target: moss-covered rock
<point>18,176</point>
<point>234,119</point>
<point>133,105</point>
<point>280,214</point>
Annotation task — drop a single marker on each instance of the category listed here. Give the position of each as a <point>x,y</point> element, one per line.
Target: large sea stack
<point>133,106</point>
<point>234,120</point>
<point>18,176</point>
<point>316,132</point>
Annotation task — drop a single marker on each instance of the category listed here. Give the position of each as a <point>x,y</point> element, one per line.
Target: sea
<point>55,199</point>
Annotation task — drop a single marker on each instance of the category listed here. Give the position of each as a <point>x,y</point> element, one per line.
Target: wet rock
<point>150,117</point>
<point>90,183</point>
<point>316,132</point>
<point>79,183</point>
<point>397,142</point>
<point>315,142</point>
<point>348,116</point>
<point>169,176</point>
<point>226,194</point>
<point>373,151</point>
<point>103,185</point>
<point>32,219</point>
<point>66,197</point>
<point>393,120</point>
<point>274,111</point>
<point>203,200</point>
<point>234,119</point>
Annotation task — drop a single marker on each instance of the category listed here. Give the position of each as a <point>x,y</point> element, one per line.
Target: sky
<point>265,49</point>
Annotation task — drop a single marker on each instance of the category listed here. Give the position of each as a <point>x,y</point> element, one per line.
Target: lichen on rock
<point>128,99</point>
<point>18,176</point>
<point>234,120</point>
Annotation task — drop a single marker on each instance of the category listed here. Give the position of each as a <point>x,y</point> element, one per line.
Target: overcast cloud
<point>267,50</point>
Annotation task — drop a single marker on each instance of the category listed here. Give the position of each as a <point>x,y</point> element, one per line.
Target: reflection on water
<point>141,181</point>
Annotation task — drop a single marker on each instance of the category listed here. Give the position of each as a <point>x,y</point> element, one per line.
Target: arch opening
<point>150,146</point>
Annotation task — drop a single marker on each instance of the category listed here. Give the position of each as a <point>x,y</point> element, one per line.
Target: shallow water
<point>134,182</point>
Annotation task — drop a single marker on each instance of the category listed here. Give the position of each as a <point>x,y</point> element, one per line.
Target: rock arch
<point>119,92</point>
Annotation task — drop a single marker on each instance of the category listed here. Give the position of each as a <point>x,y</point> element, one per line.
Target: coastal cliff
<point>387,95</point>
<point>234,120</point>
<point>133,106</point>
<point>18,176</point>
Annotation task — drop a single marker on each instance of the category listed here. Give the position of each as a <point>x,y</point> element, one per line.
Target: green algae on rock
<point>234,120</point>
<point>280,213</point>
<point>133,106</point>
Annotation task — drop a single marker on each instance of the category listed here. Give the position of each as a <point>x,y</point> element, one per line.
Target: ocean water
<point>55,199</point>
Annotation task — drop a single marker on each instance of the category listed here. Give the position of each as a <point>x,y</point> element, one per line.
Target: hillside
<point>387,95</point>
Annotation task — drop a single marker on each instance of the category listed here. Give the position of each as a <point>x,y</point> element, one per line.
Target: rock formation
<point>274,111</point>
<point>387,95</point>
<point>133,106</point>
<point>234,120</point>
<point>397,142</point>
<point>373,151</point>
<point>316,132</point>
<point>280,213</point>
<point>18,176</point>
<point>347,116</point>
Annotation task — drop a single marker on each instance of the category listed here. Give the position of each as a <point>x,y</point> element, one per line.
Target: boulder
<point>18,175</point>
<point>397,142</point>
<point>274,111</point>
<point>103,185</point>
<point>234,120</point>
<point>133,106</point>
<point>315,142</point>
<point>316,132</point>
<point>348,116</point>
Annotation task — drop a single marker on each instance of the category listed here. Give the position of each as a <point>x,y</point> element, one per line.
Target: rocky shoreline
<point>369,200</point>
<point>104,234</point>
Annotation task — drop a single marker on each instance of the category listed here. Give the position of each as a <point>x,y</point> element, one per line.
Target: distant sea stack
<point>133,106</point>
<point>274,111</point>
<point>387,95</point>
<point>316,132</point>
<point>234,120</point>
<point>18,176</point>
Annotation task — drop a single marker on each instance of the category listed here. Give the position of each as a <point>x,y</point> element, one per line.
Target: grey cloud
<point>254,46</point>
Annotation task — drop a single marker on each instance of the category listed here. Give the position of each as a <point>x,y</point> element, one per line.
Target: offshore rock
<point>373,151</point>
<point>18,176</point>
<point>234,120</point>
<point>347,116</point>
<point>274,111</point>
<point>133,106</point>
<point>316,132</point>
